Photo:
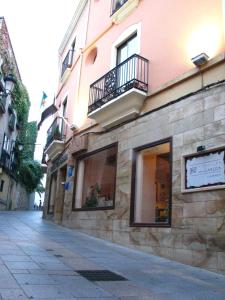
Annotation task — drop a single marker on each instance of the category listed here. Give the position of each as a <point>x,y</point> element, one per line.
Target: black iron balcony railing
<point>14,167</point>
<point>57,131</point>
<point>2,103</point>
<point>68,61</point>
<point>116,4</point>
<point>132,73</point>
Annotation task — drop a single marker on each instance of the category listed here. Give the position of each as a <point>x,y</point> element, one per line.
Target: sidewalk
<point>41,260</point>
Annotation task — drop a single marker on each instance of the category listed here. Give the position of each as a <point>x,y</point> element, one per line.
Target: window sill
<point>124,11</point>
<point>94,208</point>
<point>167,225</point>
<point>66,74</point>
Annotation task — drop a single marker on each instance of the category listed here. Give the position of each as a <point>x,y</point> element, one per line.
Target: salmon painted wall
<point>172,32</point>
<point>70,87</point>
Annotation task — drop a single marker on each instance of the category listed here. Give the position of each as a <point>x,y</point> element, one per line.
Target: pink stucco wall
<point>166,34</point>
<point>171,33</point>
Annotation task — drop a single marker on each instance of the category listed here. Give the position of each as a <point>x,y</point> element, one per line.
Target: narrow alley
<point>41,260</point>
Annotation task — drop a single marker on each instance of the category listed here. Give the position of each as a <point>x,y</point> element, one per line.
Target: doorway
<point>61,194</point>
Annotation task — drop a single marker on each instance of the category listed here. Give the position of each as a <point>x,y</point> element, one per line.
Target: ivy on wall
<point>21,104</point>
<point>29,171</point>
<point>29,138</point>
<point>30,174</point>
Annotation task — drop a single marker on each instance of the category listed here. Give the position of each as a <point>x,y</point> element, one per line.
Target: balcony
<point>56,135</point>
<point>68,61</point>
<point>118,95</point>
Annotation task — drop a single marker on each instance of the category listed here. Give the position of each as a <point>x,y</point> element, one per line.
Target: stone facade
<point>197,234</point>
<point>173,100</point>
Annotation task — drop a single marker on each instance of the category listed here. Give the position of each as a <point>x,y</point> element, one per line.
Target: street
<point>41,260</point>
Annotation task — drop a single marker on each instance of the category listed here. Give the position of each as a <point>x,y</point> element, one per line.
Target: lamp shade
<point>9,82</point>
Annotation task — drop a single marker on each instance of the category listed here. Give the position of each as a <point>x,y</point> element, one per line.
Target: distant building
<point>137,148</point>
<point>12,195</point>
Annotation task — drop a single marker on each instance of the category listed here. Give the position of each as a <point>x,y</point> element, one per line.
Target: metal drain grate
<point>100,275</point>
<point>58,255</point>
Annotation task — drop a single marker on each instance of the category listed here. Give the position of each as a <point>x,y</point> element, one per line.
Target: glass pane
<point>96,180</point>
<point>132,46</point>
<point>122,54</point>
<point>153,185</point>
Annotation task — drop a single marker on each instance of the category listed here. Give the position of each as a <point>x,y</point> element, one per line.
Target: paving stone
<point>12,294</point>
<point>8,282</point>
<point>46,291</point>
<point>17,271</point>
<point>120,289</point>
<point>34,279</point>
<point>21,265</point>
<point>15,258</point>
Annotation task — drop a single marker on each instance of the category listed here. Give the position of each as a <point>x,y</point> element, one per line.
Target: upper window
<point>68,60</point>
<point>120,9</point>
<point>151,203</point>
<point>95,179</point>
<point>116,4</point>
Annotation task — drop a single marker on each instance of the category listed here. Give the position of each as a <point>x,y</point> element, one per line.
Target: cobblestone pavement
<point>40,260</point>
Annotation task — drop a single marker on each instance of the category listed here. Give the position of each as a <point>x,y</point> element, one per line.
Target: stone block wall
<point>197,234</point>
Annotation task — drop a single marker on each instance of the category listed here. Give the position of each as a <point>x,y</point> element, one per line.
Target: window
<point>2,185</point>
<point>6,144</point>
<point>95,180</point>
<point>64,113</point>
<point>68,60</point>
<point>126,71</point>
<point>127,49</point>
<point>151,190</point>
<point>116,4</point>
<point>64,108</point>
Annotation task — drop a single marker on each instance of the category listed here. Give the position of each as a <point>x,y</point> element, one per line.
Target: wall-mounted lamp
<point>20,146</point>
<point>73,127</point>
<point>200,59</point>
<point>200,148</point>
<point>9,83</point>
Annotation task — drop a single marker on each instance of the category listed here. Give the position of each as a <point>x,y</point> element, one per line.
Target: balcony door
<point>126,70</point>
<point>117,78</point>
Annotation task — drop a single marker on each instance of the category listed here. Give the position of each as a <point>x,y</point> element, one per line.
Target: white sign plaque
<point>205,170</point>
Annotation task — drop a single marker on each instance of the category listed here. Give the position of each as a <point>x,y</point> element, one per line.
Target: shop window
<point>151,190</point>
<point>95,179</point>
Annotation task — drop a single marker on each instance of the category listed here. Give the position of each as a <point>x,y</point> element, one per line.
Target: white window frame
<point>125,35</point>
